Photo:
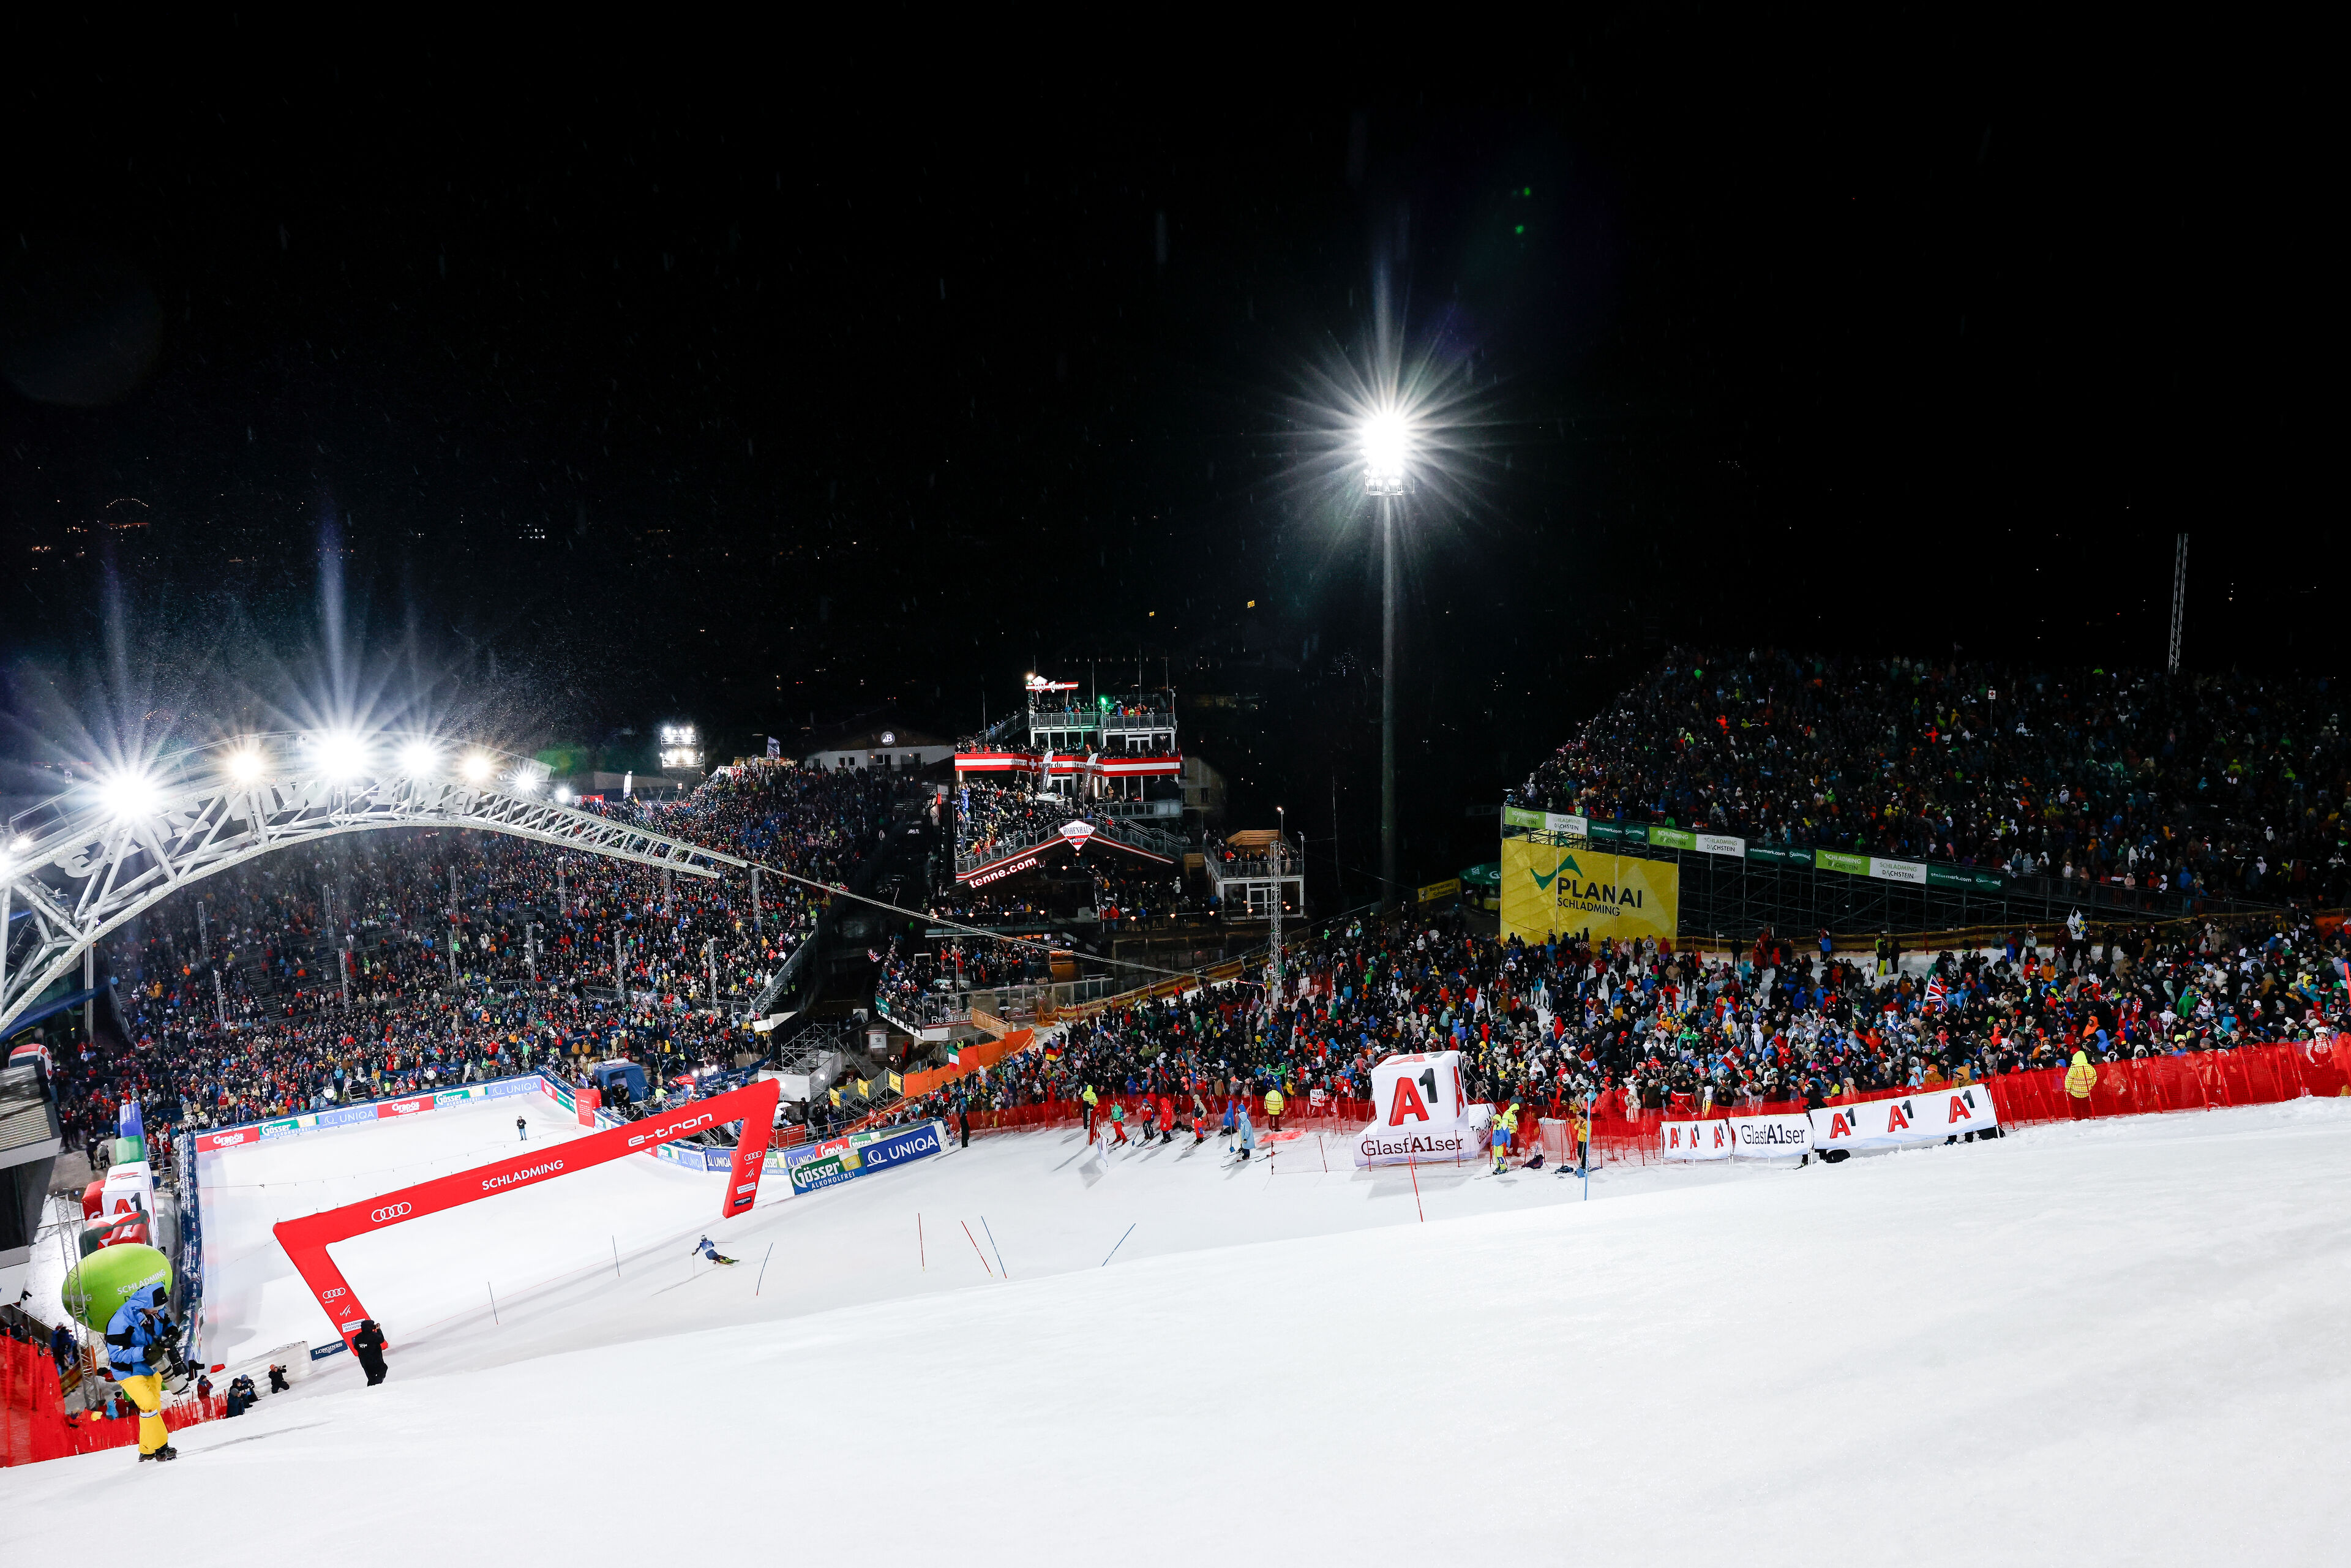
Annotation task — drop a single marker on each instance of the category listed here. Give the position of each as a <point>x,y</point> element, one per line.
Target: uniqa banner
<point>1922,1116</point>
<point>1552,888</point>
<point>838,1160</point>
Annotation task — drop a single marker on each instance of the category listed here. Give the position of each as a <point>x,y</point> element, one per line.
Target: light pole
<point>1386,454</point>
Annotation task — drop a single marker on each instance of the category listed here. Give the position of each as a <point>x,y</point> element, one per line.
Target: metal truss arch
<point>95,867</point>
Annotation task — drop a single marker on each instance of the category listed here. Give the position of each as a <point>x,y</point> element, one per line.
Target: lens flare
<point>128,794</point>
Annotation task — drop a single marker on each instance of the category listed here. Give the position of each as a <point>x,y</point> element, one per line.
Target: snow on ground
<point>594,1258</point>
<point>2119,1341</point>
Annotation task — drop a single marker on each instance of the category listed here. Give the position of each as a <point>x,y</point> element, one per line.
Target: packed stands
<point>438,994</point>
<point>2198,785</point>
<point>1637,1026</point>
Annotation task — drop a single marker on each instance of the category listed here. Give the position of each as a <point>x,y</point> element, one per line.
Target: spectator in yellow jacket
<point>2080,1078</point>
<point>1273,1104</point>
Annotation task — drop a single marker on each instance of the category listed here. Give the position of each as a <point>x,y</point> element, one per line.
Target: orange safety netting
<point>33,1425</point>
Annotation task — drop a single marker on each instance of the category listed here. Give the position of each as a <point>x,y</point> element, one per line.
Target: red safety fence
<point>1073,1113</point>
<point>2246,1075</point>
<point>33,1425</point>
<point>2146,1086</point>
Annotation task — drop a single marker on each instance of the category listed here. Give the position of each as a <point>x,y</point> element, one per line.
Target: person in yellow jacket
<point>1090,1102</point>
<point>1273,1104</point>
<point>2080,1078</point>
<point>1505,1127</point>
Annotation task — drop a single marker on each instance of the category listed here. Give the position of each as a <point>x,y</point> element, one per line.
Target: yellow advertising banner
<point>1550,888</point>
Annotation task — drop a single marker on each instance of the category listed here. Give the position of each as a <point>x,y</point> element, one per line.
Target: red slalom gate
<point>305,1241</point>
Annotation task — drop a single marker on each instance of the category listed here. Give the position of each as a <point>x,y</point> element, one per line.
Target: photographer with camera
<point>141,1346</point>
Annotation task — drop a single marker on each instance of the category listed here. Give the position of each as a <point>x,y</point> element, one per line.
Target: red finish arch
<point>306,1240</point>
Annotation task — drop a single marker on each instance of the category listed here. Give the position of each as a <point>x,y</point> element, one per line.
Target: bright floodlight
<point>244,764</point>
<point>563,795</point>
<point>477,767</point>
<point>340,755</point>
<point>418,758</point>
<point>1387,445</point>
<point>128,794</point>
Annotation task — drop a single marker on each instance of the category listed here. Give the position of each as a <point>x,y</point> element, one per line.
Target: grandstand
<point>1857,794</point>
<point>356,968</point>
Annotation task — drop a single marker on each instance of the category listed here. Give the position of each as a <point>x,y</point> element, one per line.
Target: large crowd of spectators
<point>2201,785</point>
<point>1635,1026</point>
<point>400,961</point>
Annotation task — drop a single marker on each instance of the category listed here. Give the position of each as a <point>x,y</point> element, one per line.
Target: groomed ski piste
<point>2118,1340</point>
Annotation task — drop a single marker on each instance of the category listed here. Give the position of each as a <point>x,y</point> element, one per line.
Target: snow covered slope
<point>2121,1342</point>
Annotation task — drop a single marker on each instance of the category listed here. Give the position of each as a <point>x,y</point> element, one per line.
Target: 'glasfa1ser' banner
<point>1549,888</point>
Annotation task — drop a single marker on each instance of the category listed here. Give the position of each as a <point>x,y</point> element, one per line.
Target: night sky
<point>558,410</point>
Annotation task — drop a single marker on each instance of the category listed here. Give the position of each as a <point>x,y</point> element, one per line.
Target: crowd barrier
<point>1351,1114</point>
<point>2151,1085</point>
<point>33,1425</point>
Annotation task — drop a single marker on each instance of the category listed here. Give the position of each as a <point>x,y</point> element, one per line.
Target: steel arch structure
<point>96,867</point>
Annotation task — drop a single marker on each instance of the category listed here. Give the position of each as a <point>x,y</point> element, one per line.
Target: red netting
<point>33,1421</point>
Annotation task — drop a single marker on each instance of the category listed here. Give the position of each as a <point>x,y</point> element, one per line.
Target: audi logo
<point>390,1211</point>
<point>330,1295</point>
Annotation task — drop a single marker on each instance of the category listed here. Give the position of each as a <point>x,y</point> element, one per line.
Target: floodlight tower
<point>1387,454</point>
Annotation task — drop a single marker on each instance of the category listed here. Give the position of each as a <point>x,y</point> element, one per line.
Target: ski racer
<point>711,1251</point>
<point>137,1342</point>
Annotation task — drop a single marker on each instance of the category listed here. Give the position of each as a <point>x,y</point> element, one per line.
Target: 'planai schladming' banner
<point>1552,888</point>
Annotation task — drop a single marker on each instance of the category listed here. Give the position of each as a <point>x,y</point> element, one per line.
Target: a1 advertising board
<point>1737,1138</point>
<point>1421,1112</point>
<point>1769,1137</point>
<point>1906,1121</point>
<point>1695,1141</point>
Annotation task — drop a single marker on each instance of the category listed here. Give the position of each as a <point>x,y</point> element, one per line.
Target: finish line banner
<point>1550,888</point>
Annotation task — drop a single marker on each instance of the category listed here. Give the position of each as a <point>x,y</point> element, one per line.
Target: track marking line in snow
<point>256,1437</point>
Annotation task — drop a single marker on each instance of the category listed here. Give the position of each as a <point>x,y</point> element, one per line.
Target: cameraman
<point>138,1347</point>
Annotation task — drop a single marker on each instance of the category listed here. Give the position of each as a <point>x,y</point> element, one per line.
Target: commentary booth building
<point>889,746</point>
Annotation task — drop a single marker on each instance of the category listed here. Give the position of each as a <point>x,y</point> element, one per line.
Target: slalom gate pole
<point>1121,1241</point>
<point>975,1247</point>
<point>1323,1151</point>
<point>494,1302</point>
<point>922,1253</point>
<point>616,1257</point>
<point>999,1251</point>
<point>763,1268</point>
<point>1413,1167</point>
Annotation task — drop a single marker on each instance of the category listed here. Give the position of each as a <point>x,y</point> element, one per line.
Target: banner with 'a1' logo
<point>1905,1121</point>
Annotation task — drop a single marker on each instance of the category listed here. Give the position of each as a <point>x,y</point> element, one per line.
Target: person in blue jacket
<point>135,1354</point>
<point>710,1252</point>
